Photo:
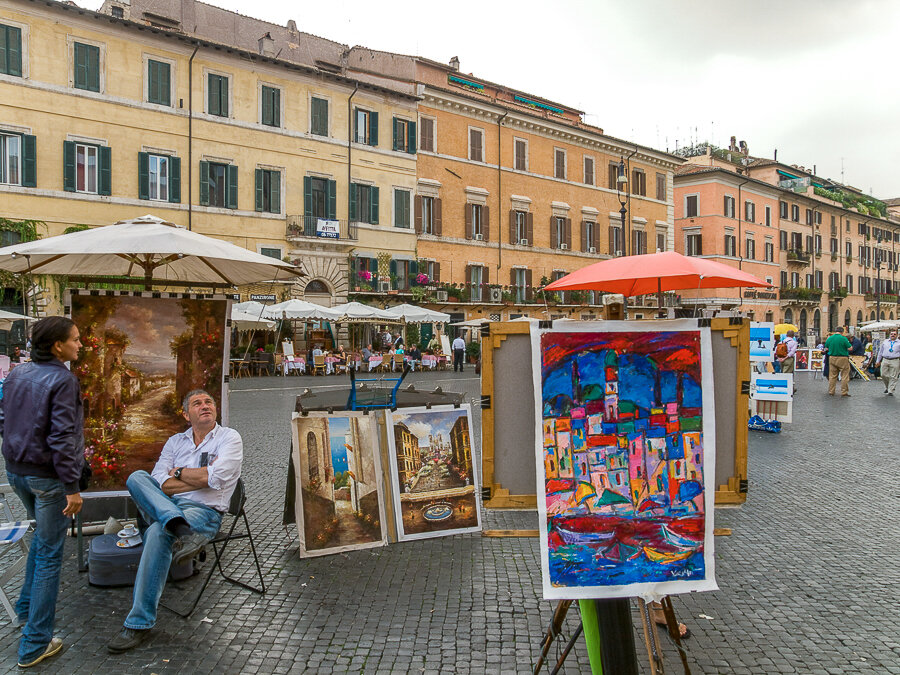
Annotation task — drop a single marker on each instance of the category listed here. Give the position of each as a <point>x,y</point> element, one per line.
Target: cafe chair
<point>319,364</point>
<point>12,535</point>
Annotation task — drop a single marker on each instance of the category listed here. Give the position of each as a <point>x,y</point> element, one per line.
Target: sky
<point>810,78</point>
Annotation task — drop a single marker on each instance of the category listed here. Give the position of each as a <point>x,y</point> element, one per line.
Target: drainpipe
<point>350,148</point>
<point>740,216</point>
<point>628,202</point>
<point>500,197</point>
<point>191,137</point>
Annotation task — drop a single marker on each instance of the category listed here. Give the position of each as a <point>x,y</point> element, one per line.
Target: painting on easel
<point>625,458</point>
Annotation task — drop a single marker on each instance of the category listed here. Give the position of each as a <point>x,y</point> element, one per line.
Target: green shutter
<point>11,50</point>
<point>373,128</point>
<point>393,268</point>
<point>87,67</point>
<point>69,166</point>
<point>143,175</point>
<point>373,203</point>
<point>353,188</point>
<point>204,183</point>
<point>4,49</point>
<point>307,196</point>
<point>276,107</point>
<point>223,96</point>
<point>332,199</point>
<point>395,142</point>
<point>319,121</point>
<point>413,269</point>
<point>231,196</point>
<point>275,192</point>
<point>411,138</point>
<point>212,94</point>
<point>355,124</point>
<point>29,161</point>
<point>259,190</point>
<point>266,107</point>
<point>80,66</point>
<point>175,180</point>
<point>165,93</point>
<point>158,85</point>
<point>104,186</point>
<point>93,54</point>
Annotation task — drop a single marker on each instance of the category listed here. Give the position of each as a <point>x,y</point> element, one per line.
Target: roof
<point>893,201</point>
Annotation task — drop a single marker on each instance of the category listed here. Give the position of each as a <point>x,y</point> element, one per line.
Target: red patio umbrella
<point>654,273</point>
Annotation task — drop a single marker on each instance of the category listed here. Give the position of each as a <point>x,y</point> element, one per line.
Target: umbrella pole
<point>659,299</point>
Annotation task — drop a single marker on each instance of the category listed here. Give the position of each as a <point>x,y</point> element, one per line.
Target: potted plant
<point>473,351</point>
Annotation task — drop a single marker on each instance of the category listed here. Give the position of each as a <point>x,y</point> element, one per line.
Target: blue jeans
<point>157,509</point>
<point>44,500</point>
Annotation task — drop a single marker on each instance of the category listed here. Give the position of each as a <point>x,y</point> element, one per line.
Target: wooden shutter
<point>275,192</point>
<point>569,233</point>
<point>307,197</point>
<point>395,139</point>
<point>467,214</point>
<point>212,95</point>
<point>143,175</point>
<point>29,160</point>
<point>512,279</point>
<point>354,189</point>
<point>529,228</point>
<point>411,137</point>
<point>231,195</point>
<point>612,240</point>
<point>373,205</point>
<point>554,236</point>
<point>258,192</point>
<point>486,222</point>
<point>468,281</point>
<point>584,246</point>
<point>204,183</point>
<point>437,272</point>
<point>355,124</point>
<point>11,50</point>
<point>80,66</point>
<point>512,227</point>
<point>175,180</point>
<point>699,245</point>
<point>104,184</point>
<point>417,206</point>
<point>276,107</point>
<point>373,128</point>
<point>331,187</point>
<point>93,66</point>
<point>437,216</point>
<point>529,289</point>
<point>267,101</point>
<point>165,85</point>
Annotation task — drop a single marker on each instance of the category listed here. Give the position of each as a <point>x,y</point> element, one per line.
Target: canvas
<point>762,341</point>
<point>801,359</point>
<point>339,504</point>
<point>625,458</point>
<point>772,386</point>
<point>141,355</point>
<point>816,359</point>
<point>433,478</point>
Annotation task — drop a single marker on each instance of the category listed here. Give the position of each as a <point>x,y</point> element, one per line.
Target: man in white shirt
<point>459,351</point>
<point>889,360</point>
<point>183,500</point>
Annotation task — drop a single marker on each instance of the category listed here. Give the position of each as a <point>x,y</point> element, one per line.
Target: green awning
<point>786,174</point>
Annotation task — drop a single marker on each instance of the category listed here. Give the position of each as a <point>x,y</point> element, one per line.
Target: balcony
<point>801,295</point>
<point>838,293</point>
<point>322,229</point>
<point>884,298</point>
<point>798,257</point>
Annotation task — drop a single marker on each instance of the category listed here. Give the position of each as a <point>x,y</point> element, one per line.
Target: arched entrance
<point>872,316</point>
<point>802,322</point>
<point>318,292</point>
<point>859,317</point>
<point>788,316</point>
<point>847,318</point>
<point>832,317</point>
<point>817,323</point>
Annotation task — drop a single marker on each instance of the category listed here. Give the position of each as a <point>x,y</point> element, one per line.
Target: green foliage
<point>473,349</point>
<point>76,228</point>
<point>412,334</point>
<point>341,479</point>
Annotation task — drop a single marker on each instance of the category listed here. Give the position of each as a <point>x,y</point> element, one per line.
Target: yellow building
<point>230,126</point>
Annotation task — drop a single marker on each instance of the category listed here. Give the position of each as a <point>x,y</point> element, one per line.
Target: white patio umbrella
<point>251,307</point>
<point>880,325</point>
<point>244,320</point>
<point>471,323</point>
<point>300,309</point>
<point>7,318</point>
<point>356,311</point>
<point>412,314</point>
<point>146,248</point>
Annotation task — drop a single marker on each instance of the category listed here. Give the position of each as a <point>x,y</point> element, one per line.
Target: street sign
<point>263,297</point>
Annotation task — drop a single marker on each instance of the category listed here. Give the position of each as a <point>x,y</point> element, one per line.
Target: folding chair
<point>12,534</point>
<point>236,511</point>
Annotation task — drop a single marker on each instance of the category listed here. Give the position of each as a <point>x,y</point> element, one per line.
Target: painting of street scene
<point>623,457</point>
<point>433,472</point>
<point>141,356</point>
<point>339,505</point>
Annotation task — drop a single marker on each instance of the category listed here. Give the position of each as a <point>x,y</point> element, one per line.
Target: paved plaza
<point>808,579</point>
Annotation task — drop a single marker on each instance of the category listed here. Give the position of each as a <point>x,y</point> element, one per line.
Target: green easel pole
<point>588,610</point>
<point>609,635</point>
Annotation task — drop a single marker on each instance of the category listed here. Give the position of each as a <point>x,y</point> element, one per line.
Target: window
<point>818,244</point>
<point>217,95</point>
<point>277,254</point>
<point>268,191</point>
<point>795,279</point>
<point>750,212</point>
<point>809,217</point>
<point>848,282</point>
<point>86,168</point>
<point>319,201</point>
<point>404,139</point>
<point>849,250</point>
<point>558,233</point>
<point>427,215</point>
<point>521,283</point>
<point>783,239</point>
<point>318,116</point>
<point>521,227</point>
<point>638,242</point>
<point>784,279</point>
<point>476,279</point>
<point>809,281</point>
<point>818,217</point>
<point>521,154</point>
<point>559,163</point>
<point>401,208</point>
<point>796,242</point>
<point>589,237</point>
<point>270,106</point>
<point>10,50</point>
<point>159,177</point>
<point>694,244</point>
<point>819,277</point>
<point>18,160</point>
<point>690,206</point>
<point>616,241</point>
<point>795,213</point>
<point>364,203</point>
<point>426,134</point>
<point>476,144</point>
<point>612,176</point>
<point>751,248</point>
<point>431,268</point>
<point>729,206</point>
<point>477,216</point>
<point>118,12</point>
<point>159,82</point>
<point>218,185</point>
<point>639,182</point>
<point>770,252</point>
<point>87,67</point>
<point>588,170</point>
<point>730,245</point>
<point>365,127</point>
<point>783,209</point>
<point>661,187</point>
<point>768,216</point>
<point>660,241</point>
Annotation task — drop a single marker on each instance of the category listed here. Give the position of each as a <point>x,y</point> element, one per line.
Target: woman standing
<point>42,421</point>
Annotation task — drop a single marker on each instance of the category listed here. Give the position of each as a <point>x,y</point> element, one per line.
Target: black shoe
<point>890,393</point>
<point>129,638</point>
<point>187,547</point>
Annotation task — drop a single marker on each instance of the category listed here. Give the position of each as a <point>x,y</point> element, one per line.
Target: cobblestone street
<point>808,579</point>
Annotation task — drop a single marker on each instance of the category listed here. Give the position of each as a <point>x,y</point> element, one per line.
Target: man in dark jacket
<point>42,421</point>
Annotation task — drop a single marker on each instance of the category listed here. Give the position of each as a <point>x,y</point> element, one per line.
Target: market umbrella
<point>880,325</point>
<point>412,314</point>
<point>7,318</point>
<point>146,248</point>
<point>356,311</point>
<point>654,273</point>
<point>300,309</point>
<point>471,323</point>
<point>243,320</point>
<point>782,328</point>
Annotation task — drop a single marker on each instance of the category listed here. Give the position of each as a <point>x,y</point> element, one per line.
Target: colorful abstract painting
<point>339,504</point>
<point>141,355</point>
<point>626,458</point>
<point>433,472</point>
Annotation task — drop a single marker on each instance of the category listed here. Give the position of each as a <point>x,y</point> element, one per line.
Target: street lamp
<point>878,283</point>
<point>622,195</point>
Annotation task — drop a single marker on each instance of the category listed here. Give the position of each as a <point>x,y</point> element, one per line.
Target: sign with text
<point>263,297</point>
<point>331,229</point>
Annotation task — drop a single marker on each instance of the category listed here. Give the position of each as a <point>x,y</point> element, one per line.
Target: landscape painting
<point>762,341</point>
<point>772,386</point>
<point>339,505</point>
<point>433,472</point>
<point>625,459</point>
<point>141,355</point>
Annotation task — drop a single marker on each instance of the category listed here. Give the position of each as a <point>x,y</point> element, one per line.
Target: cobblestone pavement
<point>808,580</point>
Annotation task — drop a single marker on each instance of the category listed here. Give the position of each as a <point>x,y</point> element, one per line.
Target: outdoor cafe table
<point>374,361</point>
<point>294,363</point>
<point>429,361</point>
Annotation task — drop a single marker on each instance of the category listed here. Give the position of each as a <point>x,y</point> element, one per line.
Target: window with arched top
<point>316,286</point>
<point>788,316</point>
<point>312,450</point>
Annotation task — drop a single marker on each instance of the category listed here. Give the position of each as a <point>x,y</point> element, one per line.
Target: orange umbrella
<point>654,273</point>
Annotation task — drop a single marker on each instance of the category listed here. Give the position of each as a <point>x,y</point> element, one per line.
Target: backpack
<point>781,351</point>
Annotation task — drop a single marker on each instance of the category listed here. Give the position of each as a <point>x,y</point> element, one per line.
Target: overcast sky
<point>811,78</point>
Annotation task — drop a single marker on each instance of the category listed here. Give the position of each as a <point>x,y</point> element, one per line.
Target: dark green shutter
<point>94,68</point>
<point>87,67</point>
<point>69,166</point>
<point>276,107</point>
<point>29,161</point>
<point>413,269</point>
<point>266,107</point>
<point>275,192</point>
<point>393,268</point>
<point>373,128</point>
<point>158,87</point>
<point>143,175</point>
<point>204,183</point>
<point>231,197</point>
<point>164,84</point>
<point>353,188</point>
<point>396,137</point>
<point>104,185</point>
<point>223,96</point>
<point>175,179</point>
<point>11,50</point>
<point>332,199</point>
<point>355,124</point>
<point>307,196</point>
<point>259,190</point>
<point>411,138</point>
<point>213,95</point>
<point>373,203</point>
<point>80,66</point>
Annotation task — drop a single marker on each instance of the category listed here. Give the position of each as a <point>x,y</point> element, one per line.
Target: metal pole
<point>622,212</point>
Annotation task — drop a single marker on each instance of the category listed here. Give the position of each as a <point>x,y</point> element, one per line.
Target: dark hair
<point>186,401</point>
<point>46,333</point>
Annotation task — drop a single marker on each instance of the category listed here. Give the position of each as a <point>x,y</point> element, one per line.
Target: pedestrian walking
<point>787,361</point>
<point>889,360</point>
<point>838,348</point>
<point>459,352</point>
<point>42,421</point>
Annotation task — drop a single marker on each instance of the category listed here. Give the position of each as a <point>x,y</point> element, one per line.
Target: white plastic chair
<point>12,535</point>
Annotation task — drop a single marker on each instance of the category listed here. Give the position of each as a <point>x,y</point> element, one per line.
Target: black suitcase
<point>110,565</point>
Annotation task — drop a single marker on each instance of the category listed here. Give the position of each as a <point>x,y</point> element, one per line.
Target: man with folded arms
<point>889,360</point>
<point>183,501</point>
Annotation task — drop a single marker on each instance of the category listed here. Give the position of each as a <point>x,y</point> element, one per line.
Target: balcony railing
<point>887,298</point>
<point>798,256</point>
<point>321,228</point>
<point>838,293</point>
<point>803,294</point>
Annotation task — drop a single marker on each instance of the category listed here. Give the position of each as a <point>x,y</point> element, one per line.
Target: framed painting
<point>142,352</point>
<point>339,505</point>
<point>801,359</point>
<point>433,477</point>
<point>816,359</point>
<point>625,458</point>
<point>772,386</point>
<point>762,341</point>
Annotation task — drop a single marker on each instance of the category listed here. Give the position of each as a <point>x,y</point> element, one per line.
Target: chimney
<point>267,45</point>
<point>454,63</point>
<point>776,154</point>
<point>292,26</point>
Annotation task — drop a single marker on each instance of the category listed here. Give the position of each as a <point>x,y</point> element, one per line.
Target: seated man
<point>415,356</point>
<point>183,501</point>
<point>367,353</point>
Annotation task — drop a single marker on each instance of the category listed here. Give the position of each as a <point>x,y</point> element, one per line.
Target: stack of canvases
<point>346,501</point>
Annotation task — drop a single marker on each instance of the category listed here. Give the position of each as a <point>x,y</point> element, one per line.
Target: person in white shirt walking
<point>889,360</point>
<point>459,352</point>
<point>183,500</point>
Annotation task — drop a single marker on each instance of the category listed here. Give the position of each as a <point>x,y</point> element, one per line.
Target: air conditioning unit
<point>495,295</point>
<point>592,249</point>
<point>563,247</point>
<point>440,296</point>
<point>523,242</point>
<point>618,253</point>
<point>479,237</point>
<point>384,286</point>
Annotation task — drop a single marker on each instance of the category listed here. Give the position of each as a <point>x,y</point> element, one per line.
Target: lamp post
<point>878,282</point>
<point>622,195</point>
